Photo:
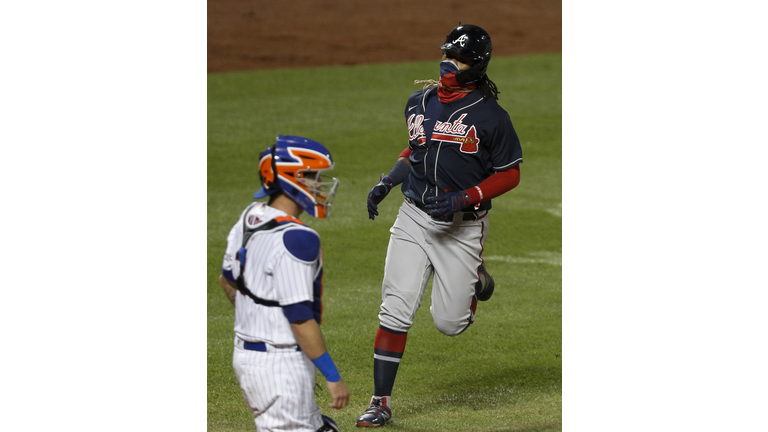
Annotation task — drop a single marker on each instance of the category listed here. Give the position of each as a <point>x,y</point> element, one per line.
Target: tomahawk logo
<point>457,132</point>
<point>461,40</point>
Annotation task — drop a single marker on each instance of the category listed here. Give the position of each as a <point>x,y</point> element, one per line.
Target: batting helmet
<point>473,43</point>
<point>296,166</point>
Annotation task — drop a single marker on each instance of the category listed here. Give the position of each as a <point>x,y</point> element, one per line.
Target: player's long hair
<point>488,87</point>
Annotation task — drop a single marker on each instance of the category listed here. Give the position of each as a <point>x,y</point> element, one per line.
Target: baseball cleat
<point>485,286</point>
<point>377,414</point>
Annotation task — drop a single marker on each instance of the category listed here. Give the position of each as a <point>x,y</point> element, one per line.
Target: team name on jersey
<point>416,128</point>
<point>454,132</point>
<point>457,132</point>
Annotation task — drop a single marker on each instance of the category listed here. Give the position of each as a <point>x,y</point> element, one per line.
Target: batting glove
<point>446,205</point>
<point>377,195</point>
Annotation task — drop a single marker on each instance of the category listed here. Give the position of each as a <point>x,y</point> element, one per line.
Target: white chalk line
<point>543,257</point>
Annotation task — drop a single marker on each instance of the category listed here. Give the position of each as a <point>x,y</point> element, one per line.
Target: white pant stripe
<point>386,358</point>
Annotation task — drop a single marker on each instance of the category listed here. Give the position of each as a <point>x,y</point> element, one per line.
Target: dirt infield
<point>261,34</point>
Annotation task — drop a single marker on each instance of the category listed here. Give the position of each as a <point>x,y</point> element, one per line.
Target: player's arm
<point>229,287</point>
<point>495,185</point>
<point>396,175</point>
<point>310,339</point>
<point>303,246</point>
<point>404,156</point>
<point>230,265</point>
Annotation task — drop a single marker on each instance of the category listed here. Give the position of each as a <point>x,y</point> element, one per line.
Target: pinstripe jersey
<point>274,272</point>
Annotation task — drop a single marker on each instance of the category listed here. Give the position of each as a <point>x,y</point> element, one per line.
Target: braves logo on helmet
<point>461,41</point>
<point>473,43</point>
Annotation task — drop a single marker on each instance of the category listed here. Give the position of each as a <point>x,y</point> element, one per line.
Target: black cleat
<point>328,425</point>
<point>377,414</point>
<point>485,286</point>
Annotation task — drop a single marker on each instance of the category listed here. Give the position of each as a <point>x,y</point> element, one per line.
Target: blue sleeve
<point>302,244</point>
<point>298,311</point>
<point>228,275</point>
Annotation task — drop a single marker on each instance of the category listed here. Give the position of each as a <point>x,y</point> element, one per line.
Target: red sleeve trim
<point>495,185</point>
<point>405,154</point>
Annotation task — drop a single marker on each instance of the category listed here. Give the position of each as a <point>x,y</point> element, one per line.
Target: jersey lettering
<point>456,128</point>
<point>416,128</point>
<point>455,132</point>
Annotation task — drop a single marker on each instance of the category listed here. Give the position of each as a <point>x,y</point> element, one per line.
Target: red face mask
<point>449,89</point>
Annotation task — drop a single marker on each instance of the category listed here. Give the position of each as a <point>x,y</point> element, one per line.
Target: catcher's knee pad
<point>328,425</point>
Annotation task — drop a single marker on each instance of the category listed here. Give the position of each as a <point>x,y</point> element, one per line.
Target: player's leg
<point>279,389</point>
<point>407,270</point>
<point>298,403</point>
<point>457,258</point>
<point>252,372</point>
<point>406,273</point>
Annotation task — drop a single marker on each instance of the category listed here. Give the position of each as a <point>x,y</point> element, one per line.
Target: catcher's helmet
<point>294,165</point>
<point>473,43</point>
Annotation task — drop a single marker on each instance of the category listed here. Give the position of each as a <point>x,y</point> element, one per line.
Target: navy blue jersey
<point>457,145</point>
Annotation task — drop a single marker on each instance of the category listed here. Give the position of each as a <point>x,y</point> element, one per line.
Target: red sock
<point>388,350</point>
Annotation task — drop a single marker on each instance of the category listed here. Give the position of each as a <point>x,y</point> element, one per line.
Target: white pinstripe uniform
<point>278,385</point>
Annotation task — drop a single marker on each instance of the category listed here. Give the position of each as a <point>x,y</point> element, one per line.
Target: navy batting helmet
<point>474,43</point>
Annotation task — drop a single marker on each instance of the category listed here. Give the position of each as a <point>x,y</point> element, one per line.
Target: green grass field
<point>505,372</point>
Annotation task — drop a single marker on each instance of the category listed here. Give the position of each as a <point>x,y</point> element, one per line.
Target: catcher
<point>272,274</point>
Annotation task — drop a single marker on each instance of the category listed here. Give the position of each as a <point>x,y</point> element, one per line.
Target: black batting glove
<point>377,195</point>
<point>446,205</point>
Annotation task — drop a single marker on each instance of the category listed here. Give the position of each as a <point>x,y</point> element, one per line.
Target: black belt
<point>467,216</point>
<point>260,346</point>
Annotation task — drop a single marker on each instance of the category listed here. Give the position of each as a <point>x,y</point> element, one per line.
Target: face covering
<point>447,66</point>
<point>449,89</point>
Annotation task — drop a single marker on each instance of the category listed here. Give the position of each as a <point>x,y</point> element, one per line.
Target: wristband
<point>327,368</point>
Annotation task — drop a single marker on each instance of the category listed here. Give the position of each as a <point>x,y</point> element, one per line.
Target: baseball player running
<point>462,152</point>
<point>273,275</point>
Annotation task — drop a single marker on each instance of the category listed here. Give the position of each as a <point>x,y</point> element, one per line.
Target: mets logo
<point>253,220</point>
<point>461,40</point>
<point>457,132</point>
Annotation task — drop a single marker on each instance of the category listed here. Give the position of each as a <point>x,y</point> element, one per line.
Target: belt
<point>465,216</point>
<point>260,346</point>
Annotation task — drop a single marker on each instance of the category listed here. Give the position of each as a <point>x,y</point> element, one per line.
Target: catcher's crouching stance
<point>272,273</point>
